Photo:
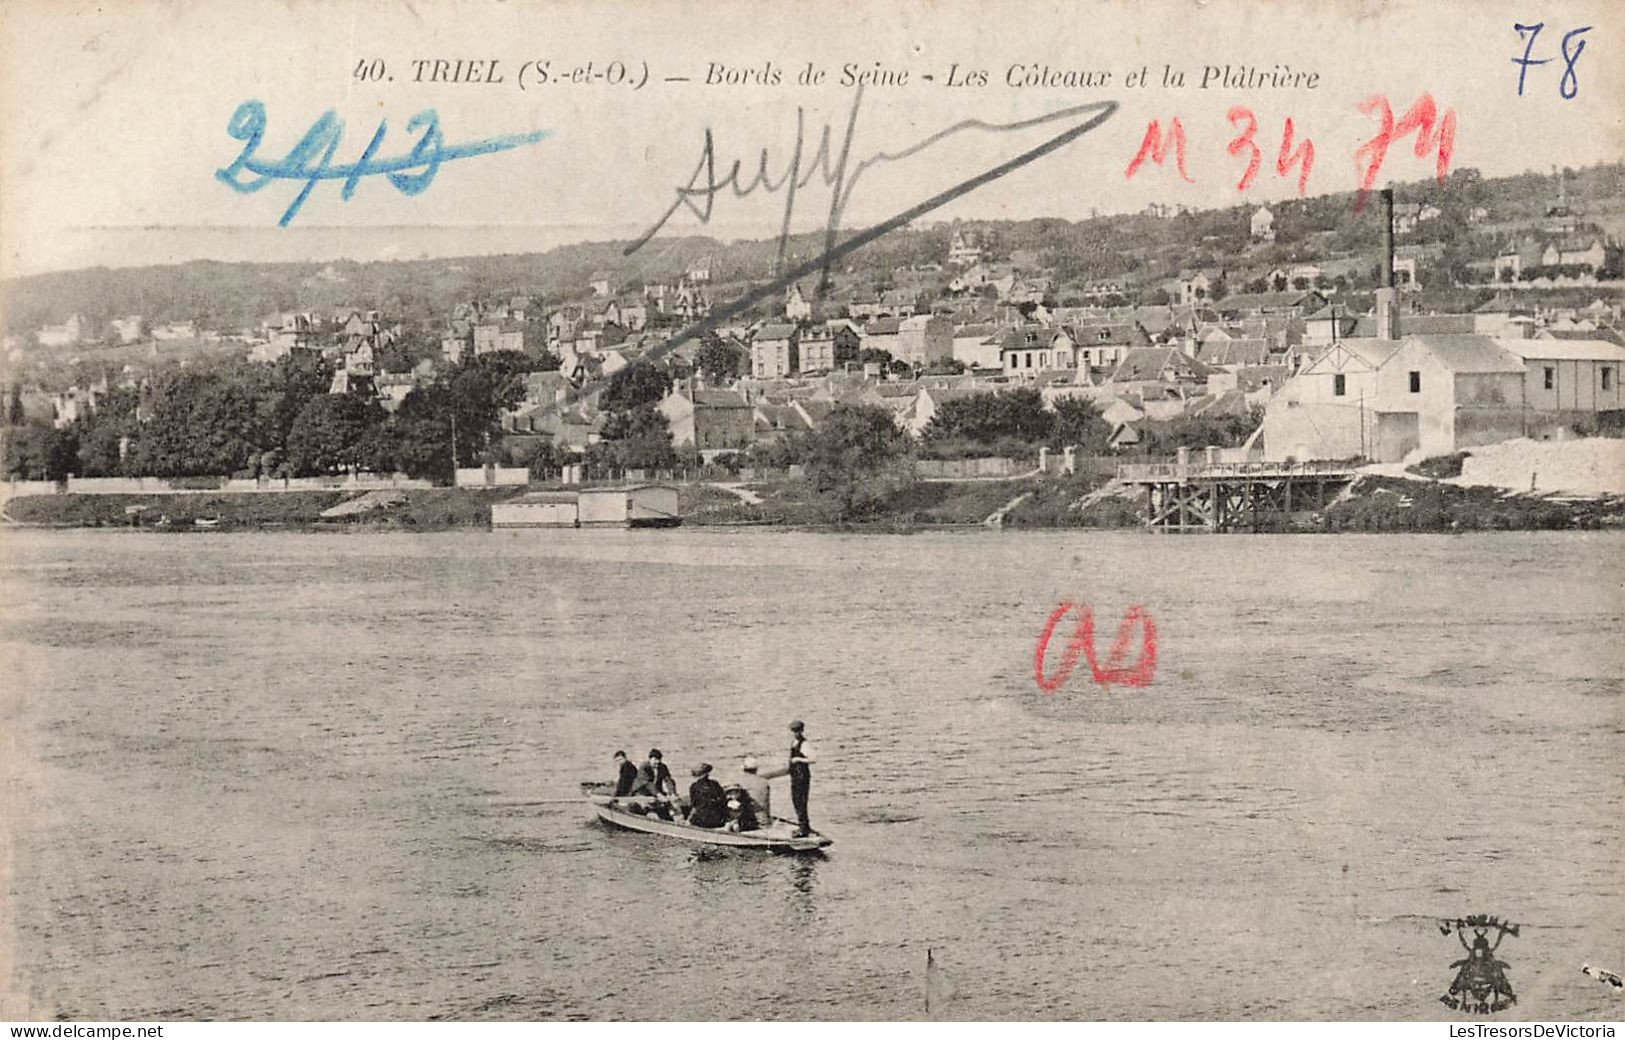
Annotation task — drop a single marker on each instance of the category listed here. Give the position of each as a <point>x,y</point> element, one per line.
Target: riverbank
<point>420,509</point>
<point>1374,503</point>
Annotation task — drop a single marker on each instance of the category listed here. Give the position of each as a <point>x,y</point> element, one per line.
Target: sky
<point>114,117</point>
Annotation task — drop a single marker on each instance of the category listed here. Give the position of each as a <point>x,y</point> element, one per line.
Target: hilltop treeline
<point>232,296</point>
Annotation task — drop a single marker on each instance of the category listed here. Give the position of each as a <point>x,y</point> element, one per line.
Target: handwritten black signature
<point>841,189</point>
<point>699,194</point>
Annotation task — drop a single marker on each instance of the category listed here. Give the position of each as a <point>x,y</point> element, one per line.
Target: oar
<point>577,800</point>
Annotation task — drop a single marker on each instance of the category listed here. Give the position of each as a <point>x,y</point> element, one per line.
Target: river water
<point>320,776</point>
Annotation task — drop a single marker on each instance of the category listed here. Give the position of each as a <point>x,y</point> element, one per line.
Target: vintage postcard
<point>812,511</point>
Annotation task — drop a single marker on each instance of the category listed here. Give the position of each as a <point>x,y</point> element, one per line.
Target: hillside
<point>1136,249</point>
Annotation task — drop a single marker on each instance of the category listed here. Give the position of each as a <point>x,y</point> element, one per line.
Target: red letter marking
<point>1243,142</point>
<point>1304,156</point>
<point>1420,118</point>
<point>1082,644</point>
<point>1157,149</point>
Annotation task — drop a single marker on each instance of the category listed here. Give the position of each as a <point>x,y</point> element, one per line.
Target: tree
<point>204,422</point>
<point>103,432</point>
<point>40,452</point>
<point>420,433</point>
<point>16,415</point>
<point>331,434</point>
<point>476,394</point>
<point>292,382</point>
<point>858,455</point>
<point>1077,422</point>
<point>641,438</point>
<point>985,418</point>
<point>719,362</point>
<point>546,460</point>
<point>410,344</point>
<point>637,384</point>
<point>875,356</point>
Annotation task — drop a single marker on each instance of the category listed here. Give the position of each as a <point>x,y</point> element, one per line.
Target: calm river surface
<point>314,776</point>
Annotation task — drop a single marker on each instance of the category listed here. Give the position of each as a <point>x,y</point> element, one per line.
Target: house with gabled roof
<point>775,351</point>
<point>1384,399</point>
<point>710,421</point>
<point>797,308</point>
<point>1571,379</point>
<point>1158,365</point>
<point>976,345</point>
<point>924,339</point>
<point>1288,302</point>
<point>1024,350</point>
<point>1234,353</point>
<point>824,348</point>
<point>884,334</point>
<point>1102,345</point>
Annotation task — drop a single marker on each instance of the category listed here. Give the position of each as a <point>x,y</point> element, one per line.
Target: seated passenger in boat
<point>741,810</point>
<point>708,805</point>
<point>756,786</point>
<point>654,779</point>
<point>626,776</point>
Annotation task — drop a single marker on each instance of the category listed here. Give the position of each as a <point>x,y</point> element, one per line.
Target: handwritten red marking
<point>1082,644</point>
<point>1244,142</point>
<point>1303,156</point>
<point>1155,147</point>
<point>1420,119</point>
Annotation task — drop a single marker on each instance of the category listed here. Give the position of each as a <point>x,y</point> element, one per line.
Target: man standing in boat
<point>801,760</point>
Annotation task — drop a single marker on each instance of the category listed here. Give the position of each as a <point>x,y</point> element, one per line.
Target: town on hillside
<point>1439,317</point>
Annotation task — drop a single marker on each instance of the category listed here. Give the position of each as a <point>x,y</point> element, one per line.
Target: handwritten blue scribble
<point>311,160</point>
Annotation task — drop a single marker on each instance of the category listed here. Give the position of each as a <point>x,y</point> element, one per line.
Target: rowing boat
<point>779,837</point>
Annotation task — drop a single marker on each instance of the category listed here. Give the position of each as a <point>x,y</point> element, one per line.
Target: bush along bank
<point>1380,504</point>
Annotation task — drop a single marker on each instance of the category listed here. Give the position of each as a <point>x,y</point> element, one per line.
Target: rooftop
<point>1470,353</point>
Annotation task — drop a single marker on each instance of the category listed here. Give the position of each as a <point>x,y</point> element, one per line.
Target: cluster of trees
<point>721,363</point>
<point>1611,268</point>
<point>1014,421</point>
<point>244,419</point>
<point>858,458</point>
<point>1224,431</point>
<point>635,434</point>
<point>37,452</point>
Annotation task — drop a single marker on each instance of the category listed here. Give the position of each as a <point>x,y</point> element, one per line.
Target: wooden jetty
<point>1217,497</point>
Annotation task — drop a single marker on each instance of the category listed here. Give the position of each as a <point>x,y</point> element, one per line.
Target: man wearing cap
<point>755,784</point>
<point>801,759</point>
<point>654,779</point>
<point>708,805</point>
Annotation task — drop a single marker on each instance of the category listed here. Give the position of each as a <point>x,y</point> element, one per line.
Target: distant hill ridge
<point>1137,249</point>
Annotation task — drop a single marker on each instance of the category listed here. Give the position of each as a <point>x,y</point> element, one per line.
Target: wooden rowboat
<point>779,837</point>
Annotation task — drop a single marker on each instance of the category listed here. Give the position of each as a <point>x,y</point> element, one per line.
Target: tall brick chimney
<point>1387,298</point>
